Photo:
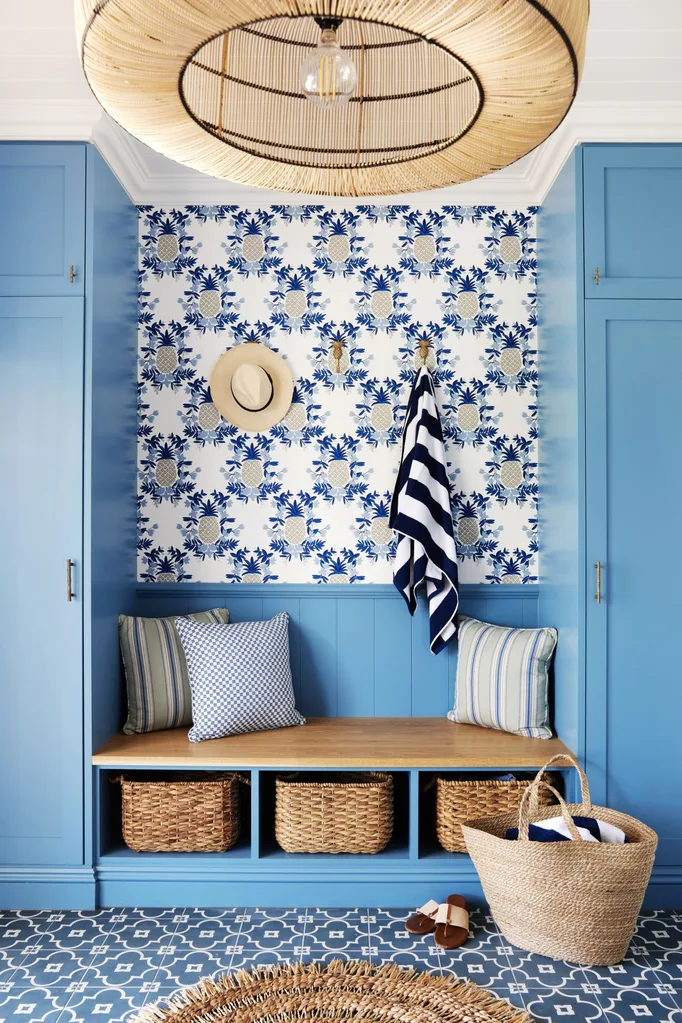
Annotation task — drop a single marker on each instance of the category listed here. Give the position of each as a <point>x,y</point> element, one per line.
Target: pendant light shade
<point>336,97</point>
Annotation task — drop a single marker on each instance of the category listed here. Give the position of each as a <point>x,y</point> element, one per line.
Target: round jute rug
<point>347,991</point>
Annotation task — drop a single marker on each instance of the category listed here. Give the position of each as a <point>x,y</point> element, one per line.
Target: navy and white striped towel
<point>590,829</point>
<point>422,517</point>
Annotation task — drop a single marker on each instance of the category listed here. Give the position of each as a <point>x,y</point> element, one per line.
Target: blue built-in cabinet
<point>611,359</point>
<point>67,462</point>
<point>42,197</point>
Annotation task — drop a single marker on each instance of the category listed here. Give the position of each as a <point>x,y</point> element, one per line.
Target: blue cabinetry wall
<point>67,457</point>
<point>611,353</point>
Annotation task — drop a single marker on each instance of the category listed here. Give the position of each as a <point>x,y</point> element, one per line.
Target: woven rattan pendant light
<point>447,90</point>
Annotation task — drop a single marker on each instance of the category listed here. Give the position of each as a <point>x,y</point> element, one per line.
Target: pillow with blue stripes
<point>503,678</point>
<point>156,671</point>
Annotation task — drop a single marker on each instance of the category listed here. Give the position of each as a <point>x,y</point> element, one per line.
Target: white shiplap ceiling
<point>631,91</point>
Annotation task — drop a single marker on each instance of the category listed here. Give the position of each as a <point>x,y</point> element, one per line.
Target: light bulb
<point>328,75</point>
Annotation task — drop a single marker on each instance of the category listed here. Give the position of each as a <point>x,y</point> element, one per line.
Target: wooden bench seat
<point>337,742</point>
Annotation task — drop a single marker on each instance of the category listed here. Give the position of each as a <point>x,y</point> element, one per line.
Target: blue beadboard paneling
<point>561,441</point>
<point>110,469</point>
<point>392,659</point>
<point>109,464</point>
<point>355,651</point>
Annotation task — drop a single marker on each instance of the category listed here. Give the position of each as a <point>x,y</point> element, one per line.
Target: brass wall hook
<point>337,353</point>
<point>424,346</point>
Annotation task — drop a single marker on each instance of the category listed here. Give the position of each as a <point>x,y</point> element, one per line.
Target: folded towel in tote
<point>554,829</point>
<point>422,517</point>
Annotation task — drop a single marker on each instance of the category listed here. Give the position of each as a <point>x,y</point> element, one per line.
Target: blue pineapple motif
<point>251,245</point>
<point>295,530</point>
<point>209,302</point>
<point>509,470</point>
<point>166,360</point>
<point>166,244</point>
<point>425,250</point>
<point>510,358</point>
<point>208,531</point>
<point>510,245</point>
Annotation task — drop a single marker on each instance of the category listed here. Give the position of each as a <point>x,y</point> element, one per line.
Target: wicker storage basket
<point>459,800</point>
<point>569,900</point>
<point>352,813</point>
<point>193,812</point>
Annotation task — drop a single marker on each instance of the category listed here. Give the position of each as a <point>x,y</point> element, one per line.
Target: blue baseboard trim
<point>47,888</point>
<point>665,889</point>
<point>391,894</point>
<point>395,889</point>
<point>77,888</point>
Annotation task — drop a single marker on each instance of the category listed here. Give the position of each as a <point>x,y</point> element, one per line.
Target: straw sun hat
<point>252,387</point>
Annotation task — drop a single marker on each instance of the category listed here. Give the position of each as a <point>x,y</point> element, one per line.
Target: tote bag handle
<point>525,813</point>
<point>585,799</point>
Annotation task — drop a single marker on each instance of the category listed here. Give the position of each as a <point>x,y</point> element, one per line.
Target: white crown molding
<point>151,179</point>
<point>54,120</point>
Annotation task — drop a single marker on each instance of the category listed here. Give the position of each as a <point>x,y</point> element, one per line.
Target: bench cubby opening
<point>111,845</point>
<point>429,846</point>
<point>398,847</point>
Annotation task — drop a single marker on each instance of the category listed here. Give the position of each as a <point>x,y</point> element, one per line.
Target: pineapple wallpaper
<point>348,296</point>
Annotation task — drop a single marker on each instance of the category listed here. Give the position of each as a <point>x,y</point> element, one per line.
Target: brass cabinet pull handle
<point>69,591</point>
<point>596,276</point>
<point>72,274</point>
<point>597,595</point>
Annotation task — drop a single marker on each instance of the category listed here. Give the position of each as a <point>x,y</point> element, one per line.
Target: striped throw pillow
<point>156,671</point>
<point>502,678</point>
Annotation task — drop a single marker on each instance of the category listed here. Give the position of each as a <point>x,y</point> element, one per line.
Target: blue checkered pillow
<point>239,676</point>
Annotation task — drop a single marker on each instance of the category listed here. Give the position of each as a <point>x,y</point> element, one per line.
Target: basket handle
<point>585,799</point>
<point>525,813</point>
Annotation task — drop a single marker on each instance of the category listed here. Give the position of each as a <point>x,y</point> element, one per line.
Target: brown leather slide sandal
<point>424,920</point>
<point>452,923</point>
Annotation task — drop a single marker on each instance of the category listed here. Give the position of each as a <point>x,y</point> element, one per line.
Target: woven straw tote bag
<point>568,900</point>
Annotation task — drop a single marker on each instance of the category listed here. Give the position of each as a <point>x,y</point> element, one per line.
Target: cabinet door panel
<point>41,465</point>
<point>42,207</point>
<point>634,493</point>
<point>633,221</point>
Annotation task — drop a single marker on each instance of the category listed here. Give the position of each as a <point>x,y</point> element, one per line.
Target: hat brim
<point>256,354</point>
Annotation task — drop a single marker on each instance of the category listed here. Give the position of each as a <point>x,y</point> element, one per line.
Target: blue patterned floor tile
<point>129,967</point>
<point>559,1005</point>
<point>18,929</point>
<point>53,968</point>
<point>35,1003</point>
<point>345,939</point>
<point>272,932</point>
<point>487,967</point>
<point>187,969</point>
<point>641,1004</point>
<point>537,971</point>
<point>107,1004</point>
<point>203,938</point>
<point>659,939</point>
<point>142,932</point>
<point>253,959</point>
<point>76,967</point>
<point>635,971</point>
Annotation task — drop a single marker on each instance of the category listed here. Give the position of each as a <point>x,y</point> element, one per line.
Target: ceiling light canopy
<point>336,97</point>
